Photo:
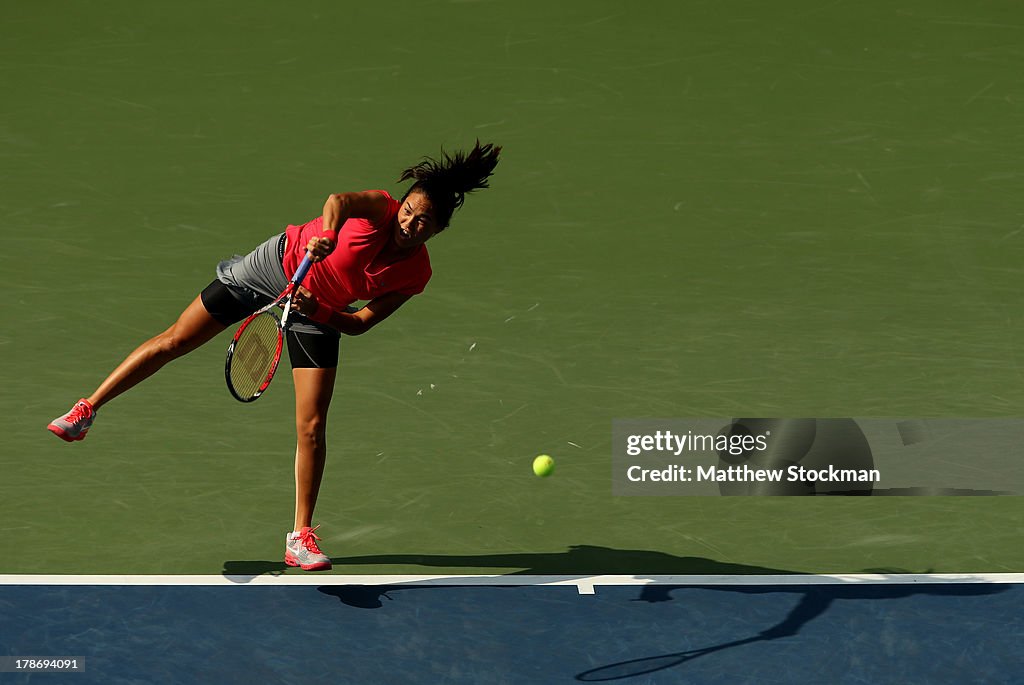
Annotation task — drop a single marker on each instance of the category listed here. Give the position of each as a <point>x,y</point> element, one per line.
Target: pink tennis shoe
<point>301,550</point>
<point>75,424</point>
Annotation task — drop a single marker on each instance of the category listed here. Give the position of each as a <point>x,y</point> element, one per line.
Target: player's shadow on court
<point>583,561</point>
<point>814,600</point>
<point>578,561</point>
<point>365,596</point>
<point>242,572</point>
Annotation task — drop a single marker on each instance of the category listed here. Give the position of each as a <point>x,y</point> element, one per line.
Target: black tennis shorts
<point>228,305</point>
<point>305,350</point>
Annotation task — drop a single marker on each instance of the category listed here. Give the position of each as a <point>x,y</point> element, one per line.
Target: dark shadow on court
<point>588,560</point>
<point>363,596</point>
<point>582,561</point>
<point>813,602</point>
<point>577,561</point>
<point>242,571</point>
<point>371,596</point>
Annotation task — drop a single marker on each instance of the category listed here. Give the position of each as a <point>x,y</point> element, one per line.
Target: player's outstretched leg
<point>313,390</point>
<point>194,327</point>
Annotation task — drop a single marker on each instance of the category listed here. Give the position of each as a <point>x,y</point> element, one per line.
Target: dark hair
<point>446,182</point>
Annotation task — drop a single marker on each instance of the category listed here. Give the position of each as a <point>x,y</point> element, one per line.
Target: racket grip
<point>300,273</point>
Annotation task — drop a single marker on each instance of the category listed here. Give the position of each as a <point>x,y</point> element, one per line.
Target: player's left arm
<point>355,323</point>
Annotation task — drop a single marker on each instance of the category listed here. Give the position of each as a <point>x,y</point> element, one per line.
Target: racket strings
<point>255,355</point>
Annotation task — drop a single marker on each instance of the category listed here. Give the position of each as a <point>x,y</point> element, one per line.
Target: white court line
<point>585,585</point>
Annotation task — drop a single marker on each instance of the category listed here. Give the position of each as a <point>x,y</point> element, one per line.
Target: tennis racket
<point>255,351</point>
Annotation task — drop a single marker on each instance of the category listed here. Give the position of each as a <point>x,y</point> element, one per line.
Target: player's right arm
<point>339,208</point>
<point>370,204</point>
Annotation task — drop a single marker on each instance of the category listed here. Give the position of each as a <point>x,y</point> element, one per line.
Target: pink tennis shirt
<point>353,271</point>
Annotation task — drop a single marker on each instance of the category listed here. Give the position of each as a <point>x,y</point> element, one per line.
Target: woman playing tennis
<point>366,246</point>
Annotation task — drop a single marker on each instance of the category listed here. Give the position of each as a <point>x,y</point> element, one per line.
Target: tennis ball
<point>543,466</point>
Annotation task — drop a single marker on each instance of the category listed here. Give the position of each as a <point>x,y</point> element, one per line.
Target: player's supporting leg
<point>313,391</point>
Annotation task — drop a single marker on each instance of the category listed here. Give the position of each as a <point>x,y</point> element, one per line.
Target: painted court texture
<point>703,209</point>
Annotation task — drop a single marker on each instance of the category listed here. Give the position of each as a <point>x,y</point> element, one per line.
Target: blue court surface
<point>833,633</point>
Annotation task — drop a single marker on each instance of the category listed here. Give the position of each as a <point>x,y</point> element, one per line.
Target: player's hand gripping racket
<point>255,350</point>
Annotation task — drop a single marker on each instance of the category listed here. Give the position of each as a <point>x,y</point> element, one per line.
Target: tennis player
<point>366,246</point>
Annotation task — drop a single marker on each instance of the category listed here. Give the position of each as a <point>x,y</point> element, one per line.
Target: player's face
<point>416,221</point>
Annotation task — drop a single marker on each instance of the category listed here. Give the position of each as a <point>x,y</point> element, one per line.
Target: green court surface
<point>704,209</point>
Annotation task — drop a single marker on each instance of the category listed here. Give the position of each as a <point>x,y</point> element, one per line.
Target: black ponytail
<point>446,182</point>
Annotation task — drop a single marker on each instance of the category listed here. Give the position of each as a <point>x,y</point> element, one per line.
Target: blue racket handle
<point>303,269</point>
